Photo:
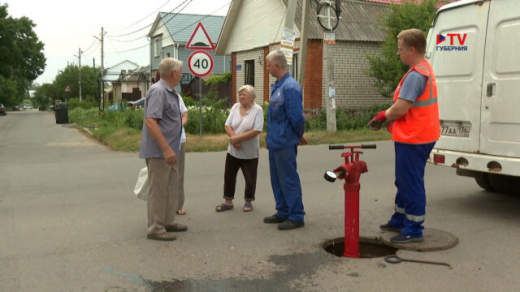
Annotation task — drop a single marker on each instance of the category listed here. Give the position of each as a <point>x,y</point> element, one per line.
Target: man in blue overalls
<point>285,125</point>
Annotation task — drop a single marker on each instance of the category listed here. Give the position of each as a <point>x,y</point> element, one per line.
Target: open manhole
<point>368,247</point>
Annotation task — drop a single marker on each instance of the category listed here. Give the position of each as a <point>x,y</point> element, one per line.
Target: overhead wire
<point>93,50</point>
<point>162,25</point>
<point>89,47</point>
<point>279,26</point>
<point>153,12</point>
<point>126,34</point>
<point>184,28</point>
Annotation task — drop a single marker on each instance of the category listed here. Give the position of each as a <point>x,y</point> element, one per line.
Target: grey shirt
<point>162,104</point>
<point>413,86</point>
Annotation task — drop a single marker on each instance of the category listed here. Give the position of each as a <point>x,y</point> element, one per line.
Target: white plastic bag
<point>141,186</point>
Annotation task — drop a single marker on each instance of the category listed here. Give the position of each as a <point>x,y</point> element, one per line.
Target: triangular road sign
<point>199,39</point>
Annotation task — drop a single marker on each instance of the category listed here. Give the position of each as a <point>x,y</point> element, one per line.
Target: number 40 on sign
<point>200,63</point>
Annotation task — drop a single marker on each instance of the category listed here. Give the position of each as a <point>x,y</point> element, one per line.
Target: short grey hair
<point>279,57</point>
<point>249,89</point>
<point>168,65</point>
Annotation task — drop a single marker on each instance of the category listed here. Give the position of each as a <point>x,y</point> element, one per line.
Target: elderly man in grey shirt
<point>160,145</point>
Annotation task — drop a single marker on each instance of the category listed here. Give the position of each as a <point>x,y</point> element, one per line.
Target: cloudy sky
<point>65,26</point>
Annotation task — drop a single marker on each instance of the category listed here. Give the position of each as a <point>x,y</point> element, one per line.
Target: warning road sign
<point>199,39</point>
<point>200,63</point>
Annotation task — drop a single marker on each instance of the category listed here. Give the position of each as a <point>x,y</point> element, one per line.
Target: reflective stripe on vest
<point>420,124</point>
<point>431,99</point>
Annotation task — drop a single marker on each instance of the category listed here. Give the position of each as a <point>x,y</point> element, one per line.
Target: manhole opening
<point>368,247</point>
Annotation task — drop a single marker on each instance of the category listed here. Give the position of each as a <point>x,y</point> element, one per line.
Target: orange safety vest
<point>420,124</point>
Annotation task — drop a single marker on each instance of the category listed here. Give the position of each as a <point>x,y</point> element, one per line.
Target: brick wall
<point>267,88</point>
<point>354,89</point>
<point>313,75</point>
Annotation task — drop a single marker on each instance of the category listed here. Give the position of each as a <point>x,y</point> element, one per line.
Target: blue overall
<point>285,126</point>
<point>410,200</point>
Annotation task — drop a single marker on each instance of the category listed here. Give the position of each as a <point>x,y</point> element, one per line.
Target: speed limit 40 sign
<point>200,63</point>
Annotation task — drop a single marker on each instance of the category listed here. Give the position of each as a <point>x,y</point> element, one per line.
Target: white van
<point>474,49</point>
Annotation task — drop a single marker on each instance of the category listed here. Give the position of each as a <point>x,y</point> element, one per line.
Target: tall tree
<point>386,67</point>
<point>69,77</point>
<point>44,95</point>
<point>21,55</point>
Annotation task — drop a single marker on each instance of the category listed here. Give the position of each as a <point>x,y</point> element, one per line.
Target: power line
<point>164,24</point>
<point>118,53</point>
<point>93,49</point>
<point>126,41</point>
<point>94,42</point>
<point>151,23</point>
<point>184,28</point>
<point>279,26</point>
<point>153,12</point>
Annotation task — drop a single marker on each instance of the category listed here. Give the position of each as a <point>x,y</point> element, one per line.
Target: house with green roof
<point>171,31</point>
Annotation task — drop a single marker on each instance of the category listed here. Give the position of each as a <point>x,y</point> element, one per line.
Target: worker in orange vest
<point>414,124</point>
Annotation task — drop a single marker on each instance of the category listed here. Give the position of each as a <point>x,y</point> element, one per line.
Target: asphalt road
<point>69,222</point>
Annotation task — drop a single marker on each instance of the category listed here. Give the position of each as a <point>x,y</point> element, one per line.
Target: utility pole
<point>289,22</point>
<point>101,39</point>
<point>303,43</point>
<point>102,52</point>
<point>79,67</point>
<point>329,22</point>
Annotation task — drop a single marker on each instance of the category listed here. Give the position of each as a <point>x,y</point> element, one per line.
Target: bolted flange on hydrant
<point>350,171</point>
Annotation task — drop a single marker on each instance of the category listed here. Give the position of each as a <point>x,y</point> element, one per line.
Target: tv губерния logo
<point>460,37</point>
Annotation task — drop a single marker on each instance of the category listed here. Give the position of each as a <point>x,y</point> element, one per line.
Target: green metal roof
<point>181,26</point>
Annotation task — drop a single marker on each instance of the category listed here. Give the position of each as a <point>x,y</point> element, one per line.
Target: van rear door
<point>455,50</point>
<point>500,122</point>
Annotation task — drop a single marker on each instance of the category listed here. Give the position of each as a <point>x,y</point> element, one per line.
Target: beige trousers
<point>162,194</point>
<point>180,197</point>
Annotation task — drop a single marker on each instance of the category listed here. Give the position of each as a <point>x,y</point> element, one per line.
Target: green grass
<point>121,131</point>
<point>129,139</point>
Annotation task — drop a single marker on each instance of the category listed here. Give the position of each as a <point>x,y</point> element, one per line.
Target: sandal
<point>248,207</point>
<point>223,207</point>
<point>181,212</point>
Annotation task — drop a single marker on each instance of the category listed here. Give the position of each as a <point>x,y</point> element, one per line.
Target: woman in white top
<point>244,123</point>
<point>182,157</point>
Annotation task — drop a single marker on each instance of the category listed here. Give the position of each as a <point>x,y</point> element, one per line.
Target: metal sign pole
<point>202,61</point>
<point>200,107</point>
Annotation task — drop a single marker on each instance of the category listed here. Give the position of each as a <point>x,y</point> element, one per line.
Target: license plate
<point>455,131</point>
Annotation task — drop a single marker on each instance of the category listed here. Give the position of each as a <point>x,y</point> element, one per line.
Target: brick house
<point>253,28</point>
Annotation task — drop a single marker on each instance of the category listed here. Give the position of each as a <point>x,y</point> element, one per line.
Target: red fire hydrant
<point>350,171</point>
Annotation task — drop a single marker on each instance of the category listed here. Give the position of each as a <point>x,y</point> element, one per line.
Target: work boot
<point>401,238</point>
<point>273,219</point>
<point>389,227</point>
<point>289,224</point>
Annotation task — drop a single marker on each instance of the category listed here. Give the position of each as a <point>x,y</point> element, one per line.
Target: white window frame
<point>157,49</point>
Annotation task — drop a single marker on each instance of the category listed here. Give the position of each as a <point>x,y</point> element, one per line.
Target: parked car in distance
<point>2,110</point>
<point>51,107</point>
<point>16,108</point>
<point>27,107</point>
<point>136,104</point>
<point>113,108</point>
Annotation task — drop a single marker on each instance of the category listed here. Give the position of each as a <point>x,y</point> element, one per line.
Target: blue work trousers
<point>410,199</point>
<point>286,184</point>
